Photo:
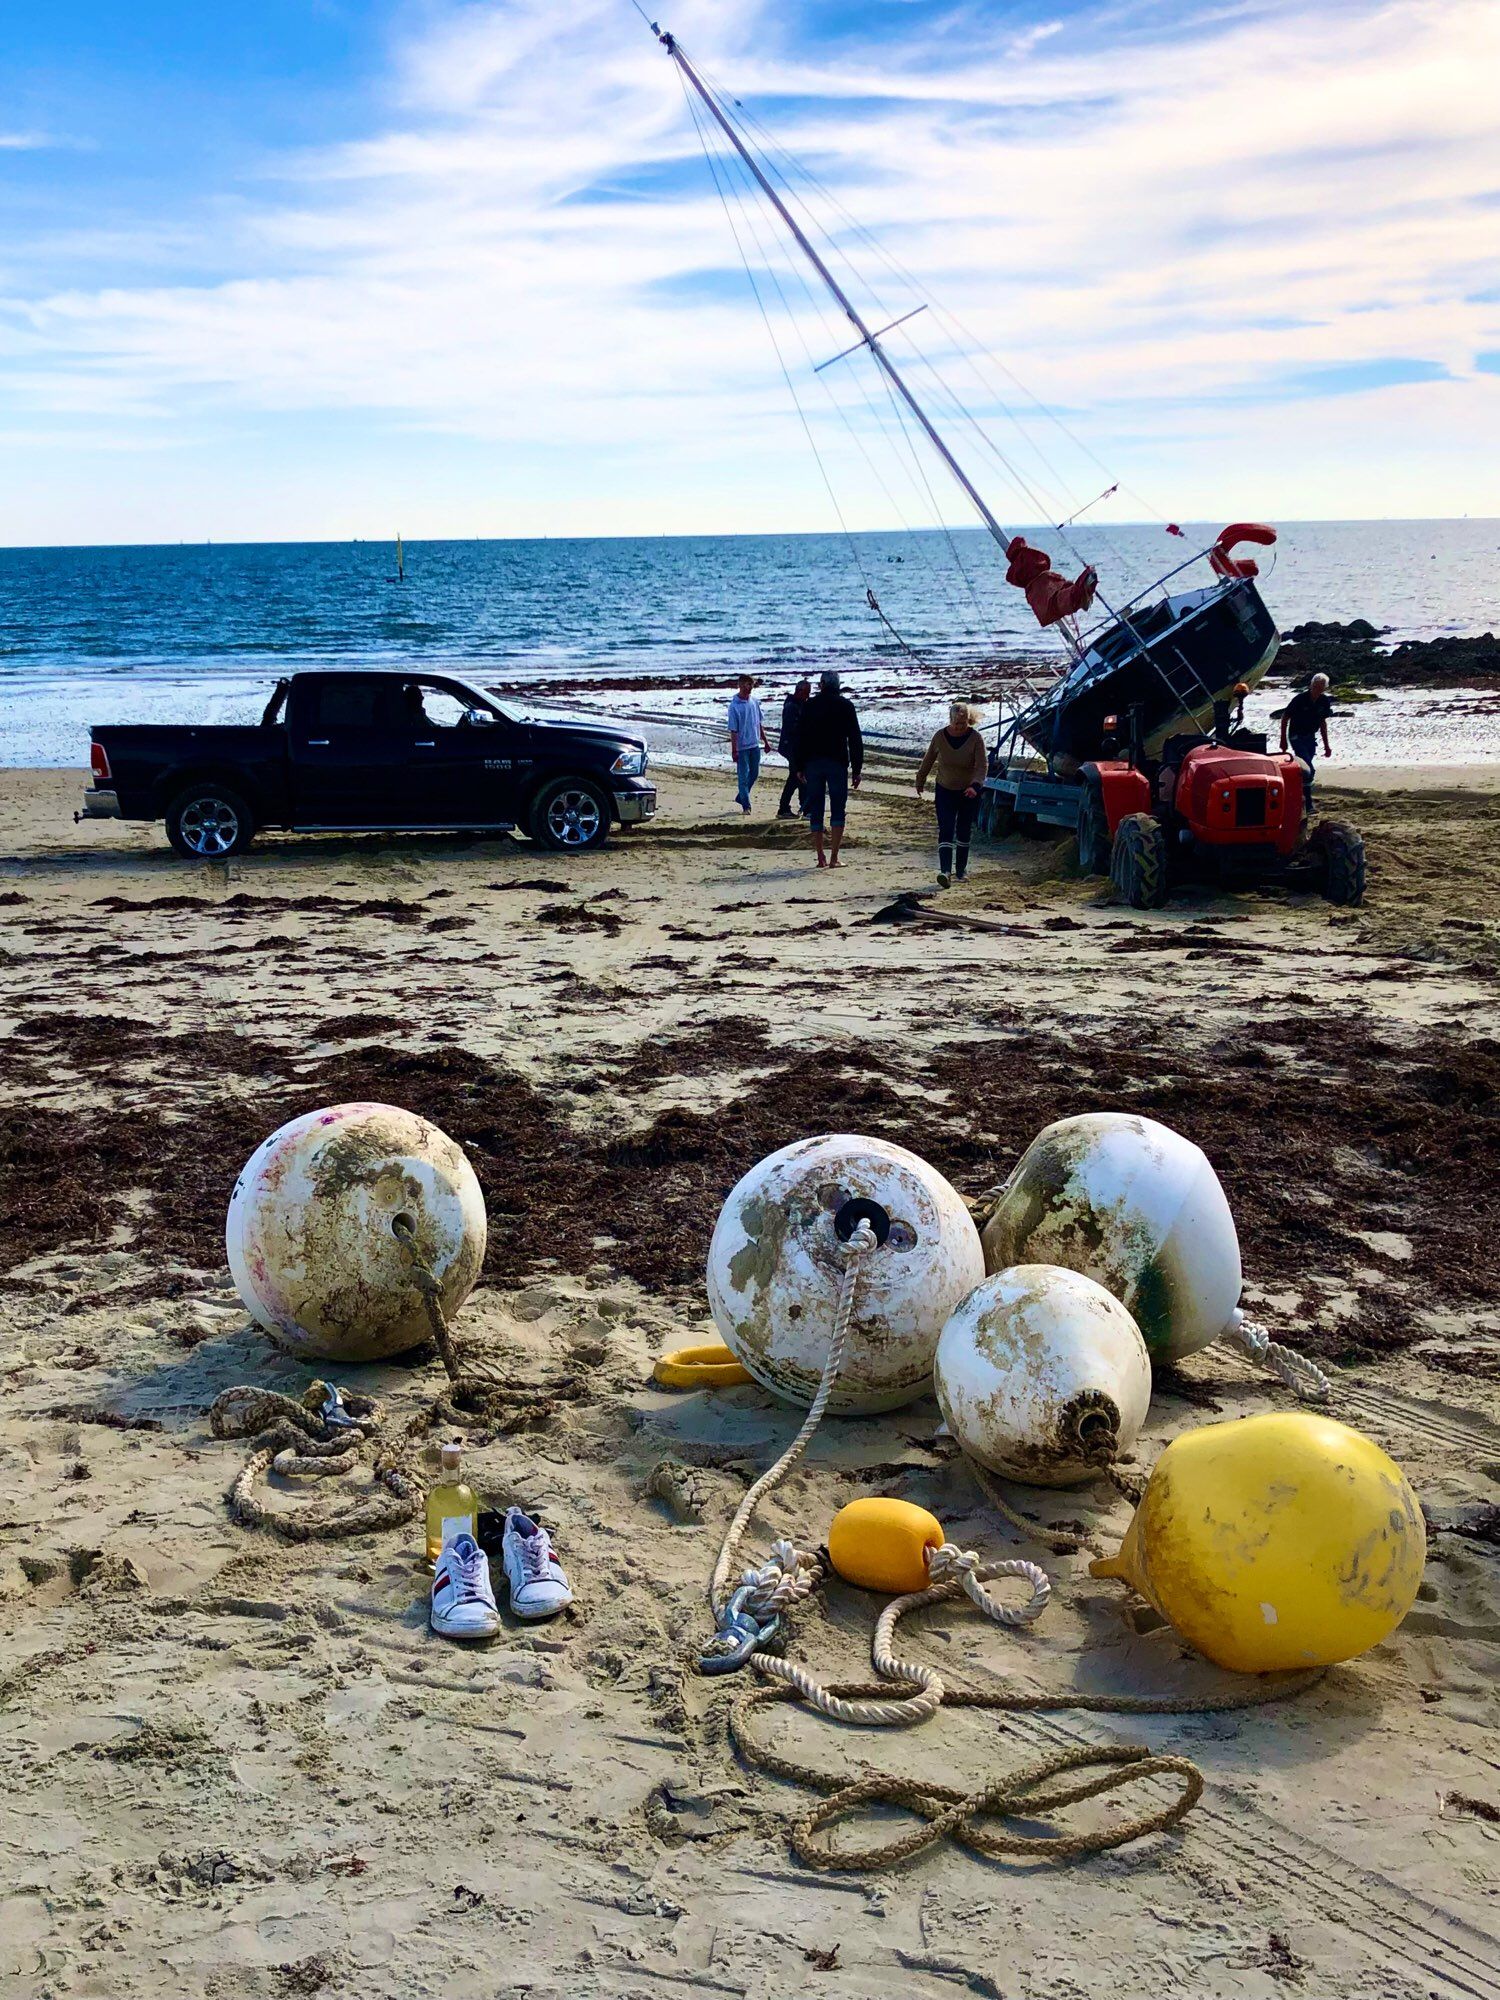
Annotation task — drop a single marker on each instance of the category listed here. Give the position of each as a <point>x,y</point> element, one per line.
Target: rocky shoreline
<point>1354,656</point>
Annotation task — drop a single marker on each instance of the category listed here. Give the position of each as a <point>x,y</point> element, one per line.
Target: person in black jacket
<point>791,728</point>
<point>831,755</point>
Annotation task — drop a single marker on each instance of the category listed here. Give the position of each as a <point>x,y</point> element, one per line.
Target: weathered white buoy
<point>312,1230</point>
<point>1136,1206</point>
<point>1042,1375</point>
<point>776,1264</point>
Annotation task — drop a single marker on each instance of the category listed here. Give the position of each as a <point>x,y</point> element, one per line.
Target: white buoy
<point>1042,1375</point>
<point>1136,1206</point>
<point>776,1264</point>
<point>312,1230</point>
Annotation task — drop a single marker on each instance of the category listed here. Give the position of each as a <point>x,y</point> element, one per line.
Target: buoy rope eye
<point>404,1225</point>
<point>1095,1424</point>
<point>856,1210</point>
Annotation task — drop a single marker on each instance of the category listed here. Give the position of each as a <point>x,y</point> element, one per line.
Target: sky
<point>316,269</point>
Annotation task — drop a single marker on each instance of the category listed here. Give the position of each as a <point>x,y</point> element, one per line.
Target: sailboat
<point>1172,658</point>
<point>400,576</point>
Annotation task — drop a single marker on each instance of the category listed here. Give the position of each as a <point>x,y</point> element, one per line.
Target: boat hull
<point>1173,660</point>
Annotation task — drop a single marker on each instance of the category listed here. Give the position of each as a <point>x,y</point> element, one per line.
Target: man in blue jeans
<point>1303,719</point>
<point>747,739</point>
<point>831,752</point>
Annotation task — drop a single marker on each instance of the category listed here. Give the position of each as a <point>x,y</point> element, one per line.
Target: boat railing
<point>1115,614</point>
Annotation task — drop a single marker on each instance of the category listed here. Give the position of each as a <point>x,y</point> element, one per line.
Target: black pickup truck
<point>372,752</point>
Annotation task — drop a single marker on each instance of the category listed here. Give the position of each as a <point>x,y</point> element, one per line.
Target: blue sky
<point>318,268</point>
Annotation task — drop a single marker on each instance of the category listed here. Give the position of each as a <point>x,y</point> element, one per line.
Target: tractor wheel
<point>1138,862</point>
<point>1341,854</point>
<point>1093,833</point>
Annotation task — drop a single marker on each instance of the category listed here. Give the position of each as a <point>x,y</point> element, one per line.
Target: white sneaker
<point>463,1598</point>
<point>538,1585</point>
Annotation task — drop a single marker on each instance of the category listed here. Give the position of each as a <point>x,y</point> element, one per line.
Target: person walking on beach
<point>1303,719</point>
<point>831,753</point>
<point>747,739</point>
<point>786,743</point>
<point>957,762</point>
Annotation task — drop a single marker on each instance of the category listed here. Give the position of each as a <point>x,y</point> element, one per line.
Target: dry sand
<point>234,1767</point>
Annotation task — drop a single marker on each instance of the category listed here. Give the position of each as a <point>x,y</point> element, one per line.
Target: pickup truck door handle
<point>317,742</point>
<point>424,746</point>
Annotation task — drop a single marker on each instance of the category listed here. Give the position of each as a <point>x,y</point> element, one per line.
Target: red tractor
<point>1220,806</point>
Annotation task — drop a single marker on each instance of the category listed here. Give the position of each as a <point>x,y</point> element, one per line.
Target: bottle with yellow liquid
<point>452,1507</point>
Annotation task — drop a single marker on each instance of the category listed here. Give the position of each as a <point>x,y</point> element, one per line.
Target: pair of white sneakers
<point>463,1597</point>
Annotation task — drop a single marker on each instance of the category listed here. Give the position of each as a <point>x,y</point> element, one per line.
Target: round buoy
<point>777,1261</point>
<point>1042,1375</point>
<point>884,1544</point>
<point>312,1230</point>
<point>1276,1541</point>
<point>1135,1206</point>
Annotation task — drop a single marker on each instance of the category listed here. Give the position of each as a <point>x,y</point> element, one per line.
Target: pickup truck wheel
<point>570,815</point>
<point>1138,862</point>
<point>208,822</point>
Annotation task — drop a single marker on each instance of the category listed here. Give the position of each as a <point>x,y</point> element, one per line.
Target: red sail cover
<point>1240,531</point>
<point>1050,596</point>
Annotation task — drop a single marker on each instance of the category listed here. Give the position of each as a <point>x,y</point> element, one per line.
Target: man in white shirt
<point>747,739</point>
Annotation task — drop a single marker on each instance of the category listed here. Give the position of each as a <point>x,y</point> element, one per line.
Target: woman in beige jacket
<point>956,759</point>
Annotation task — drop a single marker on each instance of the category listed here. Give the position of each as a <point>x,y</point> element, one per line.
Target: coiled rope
<point>296,1438</point>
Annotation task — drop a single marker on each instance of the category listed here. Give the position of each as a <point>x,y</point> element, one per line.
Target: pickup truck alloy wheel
<point>571,815</point>
<point>208,823</point>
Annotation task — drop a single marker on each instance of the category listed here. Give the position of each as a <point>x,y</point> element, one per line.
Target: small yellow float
<point>884,1544</point>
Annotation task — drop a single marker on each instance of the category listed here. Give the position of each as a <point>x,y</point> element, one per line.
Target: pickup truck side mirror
<point>479,718</point>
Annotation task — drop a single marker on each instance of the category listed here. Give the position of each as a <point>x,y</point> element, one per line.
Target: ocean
<point>657,628</point>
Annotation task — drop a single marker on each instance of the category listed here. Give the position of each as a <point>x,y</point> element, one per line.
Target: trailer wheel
<point>209,822</point>
<point>1138,862</point>
<point>999,815</point>
<point>1093,833</point>
<point>1341,854</point>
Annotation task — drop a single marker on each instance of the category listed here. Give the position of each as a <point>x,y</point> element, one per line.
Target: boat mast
<point>866,337</point>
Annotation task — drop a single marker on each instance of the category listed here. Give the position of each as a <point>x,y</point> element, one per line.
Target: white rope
<point>953,1572</point>
<point>1302,1376</point>
<point>770,1578</point>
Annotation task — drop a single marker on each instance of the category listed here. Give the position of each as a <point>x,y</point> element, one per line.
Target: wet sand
<point>237,1767</point>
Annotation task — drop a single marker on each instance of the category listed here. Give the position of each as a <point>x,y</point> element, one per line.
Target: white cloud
<point>1153,228</point>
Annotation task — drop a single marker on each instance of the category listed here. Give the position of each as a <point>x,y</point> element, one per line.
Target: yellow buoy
<point>883,1544</point>
<point>712,1366</point>
<point>1275,1542</point>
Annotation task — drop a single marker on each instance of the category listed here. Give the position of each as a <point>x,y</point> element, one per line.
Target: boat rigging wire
<point>870,596</point>
<point>913,461</point>
<point>892,379</point>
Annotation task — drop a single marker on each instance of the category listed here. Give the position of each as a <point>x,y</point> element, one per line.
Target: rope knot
<point>950,1563</point>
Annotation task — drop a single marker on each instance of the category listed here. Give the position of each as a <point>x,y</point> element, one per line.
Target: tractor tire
<point>1341,856</point>
<point>1138,862</point>
<point>1093,833</point>
<point>209,822</point>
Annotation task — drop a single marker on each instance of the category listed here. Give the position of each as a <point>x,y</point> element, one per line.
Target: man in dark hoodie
<point>830,756</point>
<point>792,710</point>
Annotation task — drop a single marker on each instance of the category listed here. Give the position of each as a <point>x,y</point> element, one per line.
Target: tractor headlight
<point>630,763</point>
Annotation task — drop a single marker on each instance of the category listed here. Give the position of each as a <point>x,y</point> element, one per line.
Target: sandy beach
<point>238,1767</point>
